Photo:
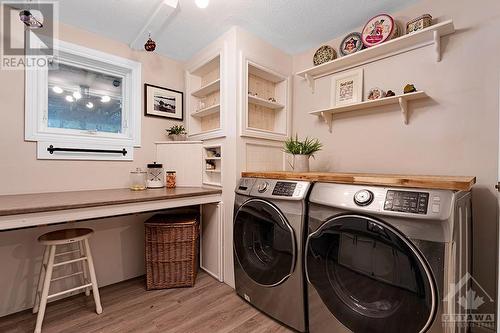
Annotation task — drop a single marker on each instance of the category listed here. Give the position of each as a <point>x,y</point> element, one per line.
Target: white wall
<point>118,242</point>
<point>455,132</point>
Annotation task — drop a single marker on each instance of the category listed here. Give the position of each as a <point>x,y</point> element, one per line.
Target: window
<point>85,100</point>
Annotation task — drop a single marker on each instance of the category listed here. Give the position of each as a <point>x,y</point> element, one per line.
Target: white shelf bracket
<point>437,45</point>
<point>328,119</point>
<point>404,109</point>
<point>310,81</point>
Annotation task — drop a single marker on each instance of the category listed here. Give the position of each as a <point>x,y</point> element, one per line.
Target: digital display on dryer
<point>407,202</point>
<point>284,189</point>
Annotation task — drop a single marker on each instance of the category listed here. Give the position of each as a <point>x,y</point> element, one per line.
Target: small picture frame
<point>347,88</point>
<point>163,102</point>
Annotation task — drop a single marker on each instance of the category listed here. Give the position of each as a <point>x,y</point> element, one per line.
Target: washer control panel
<point>272,188</point>
<point>407,202</point>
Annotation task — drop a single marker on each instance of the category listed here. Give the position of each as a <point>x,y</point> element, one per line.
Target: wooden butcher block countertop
<point>458,183</point>
<point>44,202</point>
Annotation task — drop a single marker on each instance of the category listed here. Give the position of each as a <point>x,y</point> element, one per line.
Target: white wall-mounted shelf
<point>206,111</point>
<point>263,102</point>
<point>213,158</point>
<point>213,171</point>
<point>402,100</point>
<point>207,89</point>
<point>428,36</point>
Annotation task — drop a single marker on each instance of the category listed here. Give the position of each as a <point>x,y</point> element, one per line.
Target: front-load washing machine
<point>382,260</point>
<point>268,235</point>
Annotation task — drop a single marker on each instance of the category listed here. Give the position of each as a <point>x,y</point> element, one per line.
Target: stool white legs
<point>45,278</point>
<point>93,279</point>
<point>43,269</point>
<point>45,289</point>
<point>84,268</point>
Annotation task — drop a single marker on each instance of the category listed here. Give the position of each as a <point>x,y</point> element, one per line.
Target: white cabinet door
<point>185,158</point>
<point>211,240</point>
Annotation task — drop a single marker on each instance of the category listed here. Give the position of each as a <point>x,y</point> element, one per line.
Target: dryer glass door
<point>264,242</point>
<point>370,276</point>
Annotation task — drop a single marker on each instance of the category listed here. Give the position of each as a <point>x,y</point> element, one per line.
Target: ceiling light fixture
<point>57,90</point>
<point>70,98</point>
<point>77,95</point>
<point>90,105</point>
<point>202,3</point>
<point>105,99</point>
<point>30,20</point>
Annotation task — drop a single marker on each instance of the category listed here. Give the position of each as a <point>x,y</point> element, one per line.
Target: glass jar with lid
<point>138,180</point>
<point>155,175</point>
<point>171,179</point>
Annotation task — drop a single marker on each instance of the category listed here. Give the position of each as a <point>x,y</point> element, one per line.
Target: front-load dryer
<point>268,237</point>
<point>382,260</point>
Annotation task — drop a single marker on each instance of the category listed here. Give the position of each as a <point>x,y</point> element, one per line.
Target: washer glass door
<point>370,276</point>
<point>264,242</point>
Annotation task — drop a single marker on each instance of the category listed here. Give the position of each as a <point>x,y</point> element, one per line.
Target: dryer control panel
<point>407,202</point>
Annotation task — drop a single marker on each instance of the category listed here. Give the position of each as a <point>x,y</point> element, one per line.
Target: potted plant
<point>177,133</point>
<point>301,152</point>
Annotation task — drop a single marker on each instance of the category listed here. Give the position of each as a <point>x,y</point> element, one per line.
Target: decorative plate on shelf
<point>379,29</point>
<point>324,54</point>
<point>351,43</point>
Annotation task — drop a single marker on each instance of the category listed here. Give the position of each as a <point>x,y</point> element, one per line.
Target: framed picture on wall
<point>347,88</point>
<point>163,102</point>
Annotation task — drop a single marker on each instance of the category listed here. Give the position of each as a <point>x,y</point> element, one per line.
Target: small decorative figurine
<point>272,99</point>
<point>375,93</point>
<point>390,93</point>
<point>409,88</point>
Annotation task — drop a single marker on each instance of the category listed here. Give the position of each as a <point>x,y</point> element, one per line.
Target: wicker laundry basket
<point>171,243</point>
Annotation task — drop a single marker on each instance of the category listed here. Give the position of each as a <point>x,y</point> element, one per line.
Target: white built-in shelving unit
<point>204,99</point>
<point>212,156</point>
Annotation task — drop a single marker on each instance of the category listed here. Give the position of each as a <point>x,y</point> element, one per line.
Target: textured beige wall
<point>118,242</point>
<point>455,132</point>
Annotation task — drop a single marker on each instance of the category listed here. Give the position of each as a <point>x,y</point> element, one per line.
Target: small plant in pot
<point>301,151</point>
<point>177,133</point>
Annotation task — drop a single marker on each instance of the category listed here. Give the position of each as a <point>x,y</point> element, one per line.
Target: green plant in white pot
<point>177,133</point>
<point>301,151</point>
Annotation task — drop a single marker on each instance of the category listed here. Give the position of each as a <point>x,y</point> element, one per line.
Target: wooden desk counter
<point>430,182</point>
<point>24,210</point>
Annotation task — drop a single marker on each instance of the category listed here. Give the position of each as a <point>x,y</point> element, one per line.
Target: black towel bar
<point>51,149</point>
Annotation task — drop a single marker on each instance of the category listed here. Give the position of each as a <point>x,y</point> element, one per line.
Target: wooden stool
<point>63,237</point>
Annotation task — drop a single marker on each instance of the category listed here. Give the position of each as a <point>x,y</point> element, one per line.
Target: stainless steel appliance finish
<point>269,233</point>
<point>381,259</point>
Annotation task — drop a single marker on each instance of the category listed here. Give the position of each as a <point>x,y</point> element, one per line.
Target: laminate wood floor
<point>208,307</point>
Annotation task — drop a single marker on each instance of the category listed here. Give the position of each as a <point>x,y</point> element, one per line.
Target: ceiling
<point>291,25</point>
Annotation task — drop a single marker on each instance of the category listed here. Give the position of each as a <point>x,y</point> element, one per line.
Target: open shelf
<point>207,89</point>
<point>206,111</point>
<point>213,158</point>
<point>428,36</point>
<point>402,100</point>
<point>213,171</point>
<point>265,103</point>
<point>212,177</point>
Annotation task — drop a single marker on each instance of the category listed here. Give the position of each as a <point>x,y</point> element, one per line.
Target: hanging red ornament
<point>150,45</point>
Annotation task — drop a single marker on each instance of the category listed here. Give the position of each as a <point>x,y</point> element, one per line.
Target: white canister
<point>155,175</point>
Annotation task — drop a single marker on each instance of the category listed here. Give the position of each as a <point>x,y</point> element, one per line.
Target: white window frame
<point>36,107</point>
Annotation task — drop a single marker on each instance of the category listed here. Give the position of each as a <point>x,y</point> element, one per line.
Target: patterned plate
<point>324,54</point>
<point>379,29</point>
<point>351,43</point>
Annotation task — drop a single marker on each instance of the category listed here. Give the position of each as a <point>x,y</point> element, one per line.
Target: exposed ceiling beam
<point>165,10</point>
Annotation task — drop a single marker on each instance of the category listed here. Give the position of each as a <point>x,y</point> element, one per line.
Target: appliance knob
<point>262,187</point>
<point>363,198</point>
